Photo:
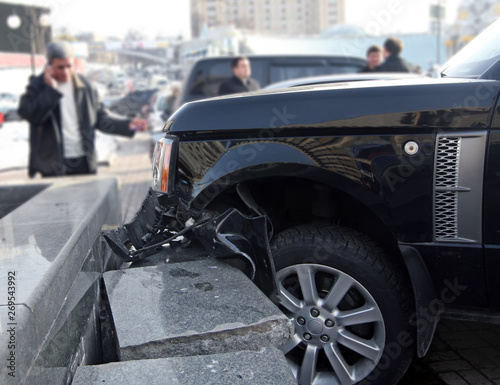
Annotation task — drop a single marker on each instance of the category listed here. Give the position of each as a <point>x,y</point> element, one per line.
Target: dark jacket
<point>395,63</point>
<point>40,107</point>
<point>235,85</point>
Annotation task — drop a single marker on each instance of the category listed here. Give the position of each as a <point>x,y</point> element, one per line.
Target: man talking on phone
<point>63,110</point>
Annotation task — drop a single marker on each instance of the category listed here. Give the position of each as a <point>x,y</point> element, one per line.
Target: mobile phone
<point>51,72</point>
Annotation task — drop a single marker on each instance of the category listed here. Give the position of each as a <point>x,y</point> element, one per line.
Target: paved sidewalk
<point>462,353</point>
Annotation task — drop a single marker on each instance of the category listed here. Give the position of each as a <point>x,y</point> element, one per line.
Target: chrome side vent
<point>448,153</point>
<point>446,215</point>
<point>446,183</point>
<point>458,187</point>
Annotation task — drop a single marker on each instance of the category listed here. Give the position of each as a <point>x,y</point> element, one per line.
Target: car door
<point>491,210</point>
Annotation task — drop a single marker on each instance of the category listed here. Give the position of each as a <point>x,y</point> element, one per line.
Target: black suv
<point>366,211</point>
<point>206,75</point>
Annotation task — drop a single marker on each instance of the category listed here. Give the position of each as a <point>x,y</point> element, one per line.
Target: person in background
<point>63,110</point>
<point>374,57</point>
<point>393,61</point>
<point>171,99</point>
<point>241,80</point>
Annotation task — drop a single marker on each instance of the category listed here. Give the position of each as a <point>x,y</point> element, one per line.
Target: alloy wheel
<point>339,329</point>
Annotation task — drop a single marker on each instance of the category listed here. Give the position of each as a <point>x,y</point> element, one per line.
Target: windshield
<point>477,56</point>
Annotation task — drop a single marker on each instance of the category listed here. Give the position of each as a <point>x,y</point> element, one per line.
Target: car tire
<point>350,308</point>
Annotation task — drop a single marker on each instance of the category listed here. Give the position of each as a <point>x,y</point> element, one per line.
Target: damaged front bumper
<point>230,236</point>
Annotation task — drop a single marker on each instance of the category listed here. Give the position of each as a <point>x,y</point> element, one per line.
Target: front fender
<point>371,169</point>
<point>253,156</point>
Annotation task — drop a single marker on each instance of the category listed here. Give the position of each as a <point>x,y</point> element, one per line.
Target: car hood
<point>393,103</point>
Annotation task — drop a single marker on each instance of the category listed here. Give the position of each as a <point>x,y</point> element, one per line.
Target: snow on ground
<point>14,80</point>
<point>14,146</point>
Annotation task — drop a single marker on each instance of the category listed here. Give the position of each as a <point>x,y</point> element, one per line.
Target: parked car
<point>8,106</point>
<point>159,81</point>
<point>367,211</point>
<point>9,97</point>
<point>9,110</point>
<point>206,75</point>
<point>134,104</point>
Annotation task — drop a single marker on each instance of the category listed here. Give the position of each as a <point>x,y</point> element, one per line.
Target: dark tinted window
<point>281,72</point>
<point>259,71</point>
<point>208,80</point>
<point>209,74</point>
<point>344,68</point>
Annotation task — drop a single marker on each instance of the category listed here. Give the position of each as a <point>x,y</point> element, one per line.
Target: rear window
<point>281,72</point>
<point>344,68</point>
<point>208,80</point>
<point>209,75</point>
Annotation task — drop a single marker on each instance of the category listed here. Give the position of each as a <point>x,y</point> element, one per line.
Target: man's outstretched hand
<point>137,124</point>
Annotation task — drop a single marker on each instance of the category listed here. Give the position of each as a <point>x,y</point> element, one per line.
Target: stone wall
<point>51,260</point>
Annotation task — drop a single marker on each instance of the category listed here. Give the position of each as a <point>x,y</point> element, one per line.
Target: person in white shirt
<point>63,110</point>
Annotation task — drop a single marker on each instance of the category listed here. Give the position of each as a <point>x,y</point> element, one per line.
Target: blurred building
<point>282,17</point>
<point>473,16</point>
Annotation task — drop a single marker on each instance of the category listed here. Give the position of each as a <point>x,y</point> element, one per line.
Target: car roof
<point>282,56</point>
<point>340,78</point>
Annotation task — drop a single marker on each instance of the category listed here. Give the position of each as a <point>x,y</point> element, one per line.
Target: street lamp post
<point>32,41</point>
<point>36,28</point>
<point>14,21</point>
<point>439,27</point>
<point>437,16</point>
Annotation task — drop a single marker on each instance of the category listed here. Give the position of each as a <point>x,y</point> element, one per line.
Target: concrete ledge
<point>12,197</point>
<point>48,242</point>
<point>266,367</point>
<point>191,308</point>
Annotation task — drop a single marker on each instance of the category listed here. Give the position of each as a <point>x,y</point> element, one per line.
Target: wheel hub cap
<point>315,326</point>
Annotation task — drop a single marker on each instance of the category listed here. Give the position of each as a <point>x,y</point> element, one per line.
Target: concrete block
<point>191,308</point>
<point>265,367</point>
<point>46,242</point>
<point>20,342</point>
<point>11,197</point>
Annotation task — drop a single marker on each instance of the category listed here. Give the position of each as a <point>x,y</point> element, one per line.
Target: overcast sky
<point>171,17</point>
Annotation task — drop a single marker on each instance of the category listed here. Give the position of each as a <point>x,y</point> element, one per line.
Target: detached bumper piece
<point>236,237</point>
<point>240,240</point>
<point>146,233</point>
